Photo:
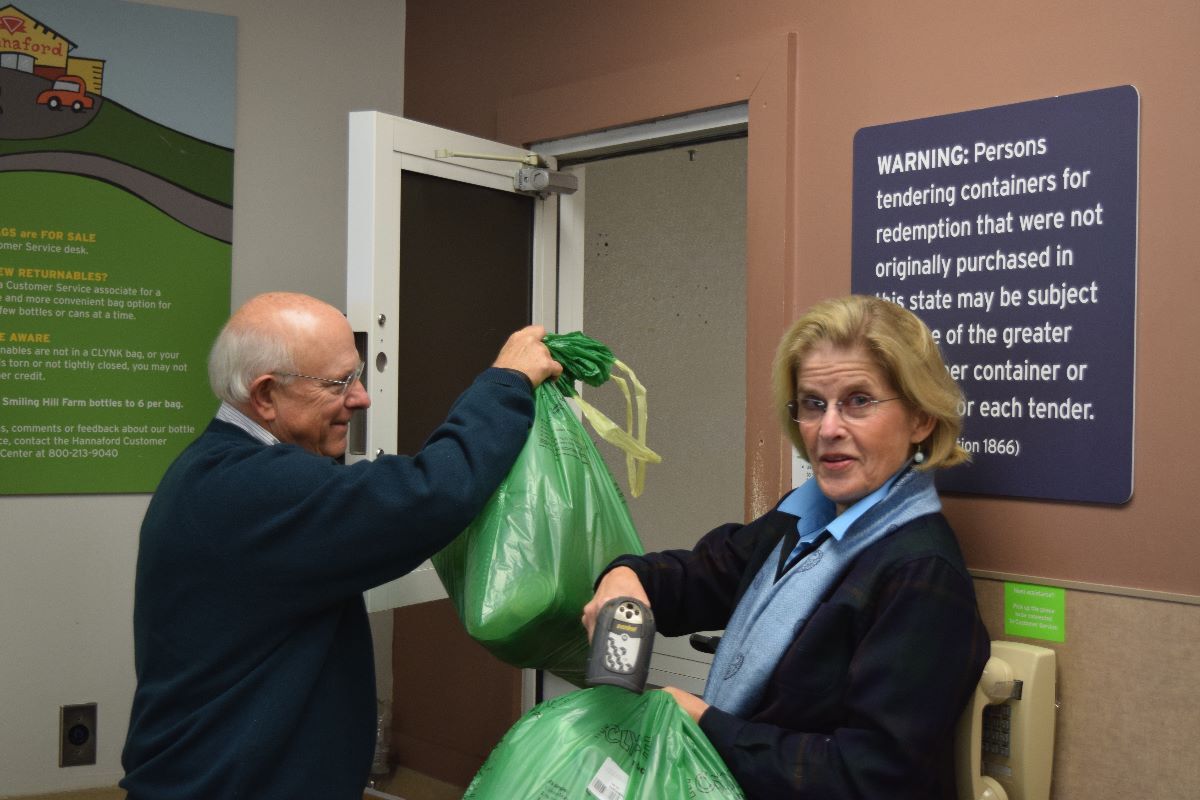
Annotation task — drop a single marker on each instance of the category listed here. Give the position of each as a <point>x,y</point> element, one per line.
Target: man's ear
<point>262,397</point>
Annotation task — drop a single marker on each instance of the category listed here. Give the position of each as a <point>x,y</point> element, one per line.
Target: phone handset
<point>1007,730</point>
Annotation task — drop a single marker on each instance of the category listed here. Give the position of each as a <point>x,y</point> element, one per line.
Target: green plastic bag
<point>521,573</point>
<point>604,743</point>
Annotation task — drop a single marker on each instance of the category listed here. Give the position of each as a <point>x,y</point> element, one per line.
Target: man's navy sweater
<point>252,648</point>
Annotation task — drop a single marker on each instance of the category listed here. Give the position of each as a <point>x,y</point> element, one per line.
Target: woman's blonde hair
<point>905,352</point>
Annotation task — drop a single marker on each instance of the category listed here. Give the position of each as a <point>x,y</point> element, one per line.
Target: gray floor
<point>402,784</point>
<point>407,784</point>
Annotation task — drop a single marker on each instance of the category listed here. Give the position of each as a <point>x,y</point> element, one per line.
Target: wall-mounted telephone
<point>1005,738</point>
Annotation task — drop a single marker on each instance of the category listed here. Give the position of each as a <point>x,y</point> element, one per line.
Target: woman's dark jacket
<point>864,702</point>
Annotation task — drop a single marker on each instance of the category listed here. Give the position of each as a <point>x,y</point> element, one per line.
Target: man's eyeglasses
<point>854,408</point>
<point>343,385</point>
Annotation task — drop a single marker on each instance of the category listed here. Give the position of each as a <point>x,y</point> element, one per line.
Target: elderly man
<point>252,649</point>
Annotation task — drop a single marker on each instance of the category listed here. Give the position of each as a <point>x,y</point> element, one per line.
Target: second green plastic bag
<point>605,743</point>
<point>521,573</point>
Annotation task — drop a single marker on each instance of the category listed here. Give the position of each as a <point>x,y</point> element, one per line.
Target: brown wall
<point>813,72</point>
<point>529,71</point>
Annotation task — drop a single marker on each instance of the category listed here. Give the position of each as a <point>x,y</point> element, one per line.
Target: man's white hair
<point>240,354</point>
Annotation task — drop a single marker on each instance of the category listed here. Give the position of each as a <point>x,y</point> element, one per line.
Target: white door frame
<point>382,146</point>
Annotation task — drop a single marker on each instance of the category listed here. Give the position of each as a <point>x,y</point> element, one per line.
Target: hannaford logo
<point>12,24</point>
<point>22,35</point>
<point>28,45</point>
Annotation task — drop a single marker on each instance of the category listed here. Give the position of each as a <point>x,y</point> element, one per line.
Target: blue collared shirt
<point>818,513</point>
<point>227,413</point>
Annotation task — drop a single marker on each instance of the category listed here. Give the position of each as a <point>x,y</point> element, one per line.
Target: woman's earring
<point>919,458</point>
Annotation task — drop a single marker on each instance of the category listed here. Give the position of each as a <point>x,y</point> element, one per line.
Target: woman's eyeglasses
<point>854,408</point>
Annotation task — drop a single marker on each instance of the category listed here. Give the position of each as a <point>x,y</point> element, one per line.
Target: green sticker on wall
<point>1035,612</point>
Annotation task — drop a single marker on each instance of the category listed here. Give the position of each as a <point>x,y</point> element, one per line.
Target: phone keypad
<point>997,730</point>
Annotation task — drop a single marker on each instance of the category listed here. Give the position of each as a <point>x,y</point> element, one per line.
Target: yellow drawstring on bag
<point>587,360</point>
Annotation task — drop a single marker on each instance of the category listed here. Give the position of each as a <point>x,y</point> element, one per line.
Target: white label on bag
<point>610,782</point>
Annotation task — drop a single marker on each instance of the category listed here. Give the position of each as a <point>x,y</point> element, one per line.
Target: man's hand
<point>619,582</point>
<point>525,352</point>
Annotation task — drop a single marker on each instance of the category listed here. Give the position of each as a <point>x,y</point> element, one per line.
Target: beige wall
<point>66,573</point>
<point>813,73</point>
<point>1127,722</point>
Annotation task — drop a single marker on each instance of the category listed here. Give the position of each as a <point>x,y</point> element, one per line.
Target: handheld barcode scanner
<point>621,645</point>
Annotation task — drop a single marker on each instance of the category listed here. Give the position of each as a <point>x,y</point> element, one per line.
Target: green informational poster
<point>115,246</point>
<point>1035,612</point>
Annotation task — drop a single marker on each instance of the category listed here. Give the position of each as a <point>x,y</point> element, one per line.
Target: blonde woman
<point>852,636</point>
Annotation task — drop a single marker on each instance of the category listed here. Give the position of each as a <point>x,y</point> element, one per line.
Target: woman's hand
<point>619,582</point>
<point>694,706</point>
